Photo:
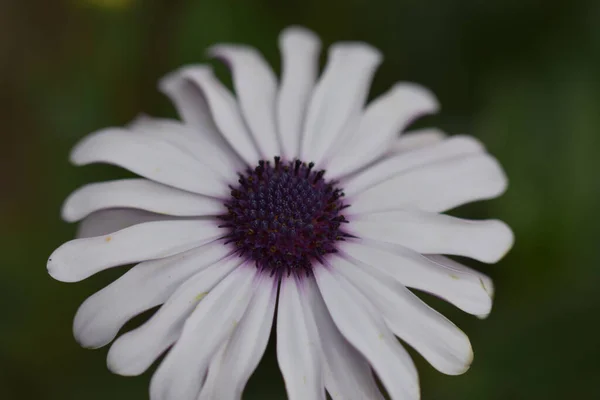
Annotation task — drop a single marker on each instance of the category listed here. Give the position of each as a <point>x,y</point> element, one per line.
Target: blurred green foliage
<point>522,75</point>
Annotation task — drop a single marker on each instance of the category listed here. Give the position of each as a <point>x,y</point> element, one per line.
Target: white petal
<point>467,289</point>
<point>225,111</point>
<point>191,104</point>
<point>445,346</point>
<point>215,154</point>
<point>135,351</point>
<point>347,373</point>
<point>380,124</point>
<point>363,326</point>
<point>256,89</point>
<point>338,97</point>
<point>180,376</point>
<point>111,220</point>
<point>435,187</point>
<point>230,370</point>
<point>81,258</point>
<point>300,50</point>
<point>430,233</point>
<point>416,139</point>
<point>298,350</point>
<point>137,193</point>
<point>144,286</point>
<point>453,267</point>
<point>149,157</point>
<point>454,147</point>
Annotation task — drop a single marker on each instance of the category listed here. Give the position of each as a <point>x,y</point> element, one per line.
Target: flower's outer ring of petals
<point>149,157</point>
<point>144,286</point>
<point>446,347</point>
<point>135,351</point>
<point>298,347</point>
<point>436,187</point>
<point>338,97</point>
<point>81,258</point>
<point>232,367</point>
<point>300,50</point>
<point>180,375</point>
<point>226,112</point>
<point>362,325</point>
<point>380,124</point>
<point>137,193</point>
<point>256,89</point>
<point>453,147</point>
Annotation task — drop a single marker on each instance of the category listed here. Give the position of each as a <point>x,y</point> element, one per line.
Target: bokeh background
<point>522,75</point>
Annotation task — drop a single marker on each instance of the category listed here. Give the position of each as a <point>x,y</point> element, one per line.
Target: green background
<point>522,75</point>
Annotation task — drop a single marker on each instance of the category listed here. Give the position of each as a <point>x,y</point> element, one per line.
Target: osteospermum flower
<point>292,200</point>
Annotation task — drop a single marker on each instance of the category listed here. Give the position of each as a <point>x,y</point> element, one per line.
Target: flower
<point>292,199</point>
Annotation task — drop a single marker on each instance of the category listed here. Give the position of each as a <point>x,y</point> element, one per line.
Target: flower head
<point>291,198</point>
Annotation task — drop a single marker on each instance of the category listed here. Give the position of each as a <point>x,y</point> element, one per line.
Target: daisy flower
<point>291,206</point>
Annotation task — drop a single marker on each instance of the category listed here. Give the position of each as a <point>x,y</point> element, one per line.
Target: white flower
<point>224,241</point>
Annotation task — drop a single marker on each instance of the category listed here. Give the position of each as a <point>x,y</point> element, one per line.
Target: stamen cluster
<point>284,216</point>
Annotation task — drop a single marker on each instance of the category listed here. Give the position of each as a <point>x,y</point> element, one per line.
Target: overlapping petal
<point>300,63</point>
<point>137,193</point>
<point>81,258</point>
<point>338,97</point>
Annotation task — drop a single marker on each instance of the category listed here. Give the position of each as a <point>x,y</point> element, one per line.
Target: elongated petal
<point>467,289</point>
<point>217,155</point>
<point>135,351</point>
<point>81,258</point>
<point>107,221</point>
<point>144,286</point>
<point>454,147</point>
<point>230,370</point>
<point>435,187</point>
<point>300,50</point>
<point>338,97</point>
<point>416,139</point>
<point>190,104</point>
<point>256,89</point>
<point>225,111</point>
<point>137,193</point>
<point>347,373</point>
<point>429,233</point>
<point>363,326</point>
<point>149,157</point>
<point>181,374</point>
<point>380,124</point>
<point>298,350</point>
<point>445,346</point>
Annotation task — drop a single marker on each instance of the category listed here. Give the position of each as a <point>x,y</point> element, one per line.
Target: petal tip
<point>56,270</point>
<point>505,239</point>
<point>422,97</point>
<point>299,35</point>
<point>117,365</point>
<point>364,50</point>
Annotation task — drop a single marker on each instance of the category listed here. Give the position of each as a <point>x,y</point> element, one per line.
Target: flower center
<point>284,216</point>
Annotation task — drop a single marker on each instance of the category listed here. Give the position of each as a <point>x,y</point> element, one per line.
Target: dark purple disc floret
<point>285,216</point>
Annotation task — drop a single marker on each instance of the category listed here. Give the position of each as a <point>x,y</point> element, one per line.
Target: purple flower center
<point>284,216</point>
